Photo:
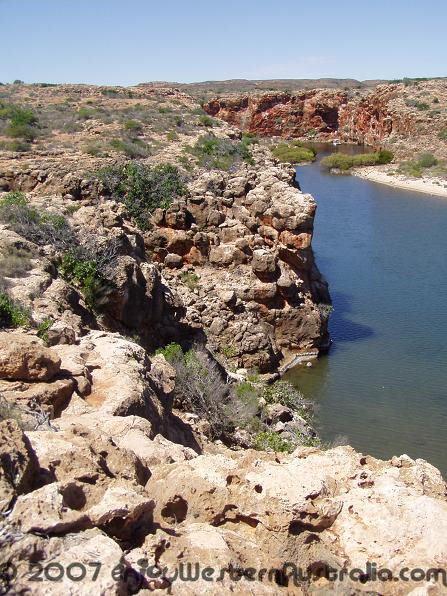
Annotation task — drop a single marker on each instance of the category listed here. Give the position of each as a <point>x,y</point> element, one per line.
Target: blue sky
<point>126,42</point>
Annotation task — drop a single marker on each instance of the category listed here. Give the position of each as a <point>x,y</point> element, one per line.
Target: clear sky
<point>124,42</point>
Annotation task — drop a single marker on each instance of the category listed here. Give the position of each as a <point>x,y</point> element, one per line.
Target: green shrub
<point>43,328</point>
<point>85,275</point>
<point>284,393</point>
<point>427,160</point>
<point>133,127</point>
<point>213,152</point>
<point>11,313</point>
<point>134,148</point>
<point>191,280</point>
<point>143,188</point>
<point>229,351</point>
<point>37,225</point>
<point>340,161</point>
<point>419,105</point>
<point>201,389</point>
<point>344,162</point>
<point>86,113</point>
<point>410,168</point>
<point>20,122</point>
<point>293,153</point>
<point>443,134</point>
<point>385,156</point>
<point>172,352</point>
<point>271,441</point>
<point>95,148</point>
<point>205,120</point>
<point>17,145</point>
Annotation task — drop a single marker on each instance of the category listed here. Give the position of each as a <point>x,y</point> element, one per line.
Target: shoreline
<point>430,186</point>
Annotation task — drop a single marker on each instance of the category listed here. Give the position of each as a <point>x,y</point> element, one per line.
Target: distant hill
<point>246,85</point>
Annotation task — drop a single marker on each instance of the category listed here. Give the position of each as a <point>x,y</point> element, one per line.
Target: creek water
<point>383,384</point>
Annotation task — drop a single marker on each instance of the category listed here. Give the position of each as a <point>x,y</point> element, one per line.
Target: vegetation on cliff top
<point>142,188</point>
<point>18,123</point>
<point>83,263</point>
<point>213,152</point>
<point>344,162</point>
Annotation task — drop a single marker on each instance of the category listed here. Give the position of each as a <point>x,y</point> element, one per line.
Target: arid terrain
<point>156,274</point>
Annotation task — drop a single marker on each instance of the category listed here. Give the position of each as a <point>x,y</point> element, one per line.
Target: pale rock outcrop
<point>91,550</point>
<point>336,509</point>
<point>25,358</point>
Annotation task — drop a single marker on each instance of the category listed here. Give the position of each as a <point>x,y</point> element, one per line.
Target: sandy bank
<point>427,185</point>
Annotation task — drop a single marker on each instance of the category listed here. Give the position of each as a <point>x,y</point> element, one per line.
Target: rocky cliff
<point>405,118</point>
<point>118,493</point>
<point>124,469</point>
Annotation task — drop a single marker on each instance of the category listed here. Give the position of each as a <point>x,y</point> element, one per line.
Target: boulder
<point>264,265</point>
<point>173,261</point>
<point>25,358</point>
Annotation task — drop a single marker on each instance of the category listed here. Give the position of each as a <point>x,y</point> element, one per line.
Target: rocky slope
<point>119,491</point>
<point>120,468</point>
<point>406,118</point>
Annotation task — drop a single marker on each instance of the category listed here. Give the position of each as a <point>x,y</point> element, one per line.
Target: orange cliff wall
<point>368,119</point>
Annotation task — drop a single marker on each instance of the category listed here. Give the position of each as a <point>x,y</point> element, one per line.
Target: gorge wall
<point>405,119</point>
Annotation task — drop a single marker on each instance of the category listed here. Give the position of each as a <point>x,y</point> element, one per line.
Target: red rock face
<point>371,119</point>
<point>282,114</point>
<point>367,119</point>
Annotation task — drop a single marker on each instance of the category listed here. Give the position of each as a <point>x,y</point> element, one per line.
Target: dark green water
<point>384,252</point>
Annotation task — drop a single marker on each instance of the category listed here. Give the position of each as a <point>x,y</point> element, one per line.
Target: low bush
<point>271,441</point>
<point>415,168</point>
<point>200,388</point>
<point>215,153</point>
<point>37,225</point>
<point>293,153</point>
<point>85,274</point>
<point>43,328</point>
<point>12,314</point>
<point>419,105</point>
<point>133,127</point>
<point>86,113</point>
<point>95,148</point>
<point>344,162</point>
<point>205,120</point>
<point>427,160</point>
<point>443,134</point>
<point>282,392</point>
<point>191,280</point>
<point>133,148</point>
<point>17,145</point>
<point>20,122</point>
<point>143,188</point>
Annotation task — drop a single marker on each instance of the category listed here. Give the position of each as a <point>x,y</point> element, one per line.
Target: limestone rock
<point>24,358</point>
<point>264,265</point>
